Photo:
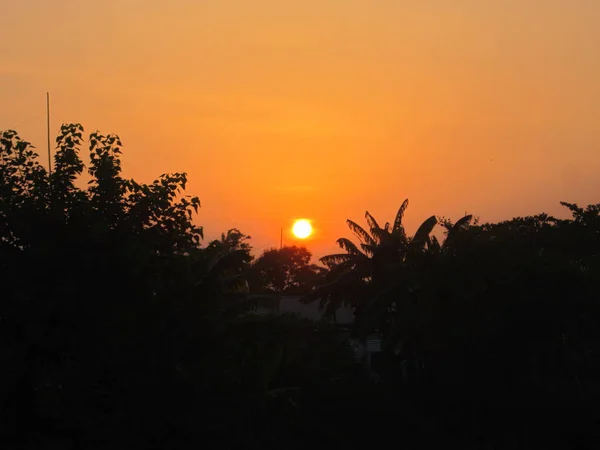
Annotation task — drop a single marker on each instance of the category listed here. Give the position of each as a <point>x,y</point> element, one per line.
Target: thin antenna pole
<point>281,240</point>
<point>48,131</point>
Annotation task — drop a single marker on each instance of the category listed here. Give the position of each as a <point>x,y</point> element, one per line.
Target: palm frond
<point>368,248</point>
<point>398,227</point>
<point>420,237</point>
<point>462,224</point>
<point>349,246</point>
<point>335,293</point>
<point>372,222</point>
<point>340,269</point>
<point>459,226</point>
<point>360,232</point>
<point>380,235</point>
<point>333,260</point>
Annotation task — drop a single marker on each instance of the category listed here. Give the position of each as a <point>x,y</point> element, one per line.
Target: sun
<point>302,229</point>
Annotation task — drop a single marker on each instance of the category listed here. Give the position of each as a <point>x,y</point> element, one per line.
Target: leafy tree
<point>486,295</point>
<point>534,294</point>
<point>234,246</point>
<point>93,279</point>
<point>287,270</point>
<point>222,272</point>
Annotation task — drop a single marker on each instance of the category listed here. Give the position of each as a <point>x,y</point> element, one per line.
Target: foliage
<point>118,329</point>
<point>507,301</point>
<point>93,279</point>
<point>360,277</point>
<point>286,270</point>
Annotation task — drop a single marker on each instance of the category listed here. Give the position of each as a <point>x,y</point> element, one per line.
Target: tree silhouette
<point>360,276</point>
<point>119,329</point>
<point>92,278</point>
<point>284,271</point>
<point>488,293</point>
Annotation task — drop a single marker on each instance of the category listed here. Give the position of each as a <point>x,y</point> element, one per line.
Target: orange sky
<point>323,108</point>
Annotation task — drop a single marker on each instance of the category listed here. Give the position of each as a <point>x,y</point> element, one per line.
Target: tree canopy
<point>119,328</point>
<point>285,271</point>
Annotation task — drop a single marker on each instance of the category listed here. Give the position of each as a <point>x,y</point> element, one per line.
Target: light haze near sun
<point>325,108</point>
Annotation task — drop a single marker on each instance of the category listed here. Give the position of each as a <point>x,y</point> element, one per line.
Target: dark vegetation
<point>120,329</point>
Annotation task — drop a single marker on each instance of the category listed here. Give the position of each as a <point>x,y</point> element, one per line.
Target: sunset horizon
<point>325,110</point>
<point>341,224</point>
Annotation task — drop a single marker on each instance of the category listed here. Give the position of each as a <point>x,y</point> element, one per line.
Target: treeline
<point>119,328</point>
<point>516,300</point>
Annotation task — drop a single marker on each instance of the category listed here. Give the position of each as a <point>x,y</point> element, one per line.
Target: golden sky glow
<point>323,109</point>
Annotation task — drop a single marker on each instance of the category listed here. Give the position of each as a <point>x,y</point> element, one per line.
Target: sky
<point>322,109</point>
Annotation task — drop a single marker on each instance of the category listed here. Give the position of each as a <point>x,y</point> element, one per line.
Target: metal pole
<point>48,132</point>
<point>281,240</point>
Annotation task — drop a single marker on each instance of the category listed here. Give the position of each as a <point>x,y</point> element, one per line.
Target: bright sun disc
<point>302,229</point>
